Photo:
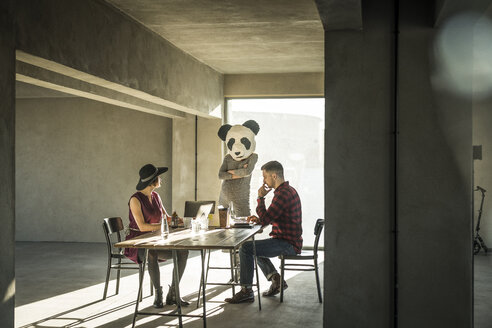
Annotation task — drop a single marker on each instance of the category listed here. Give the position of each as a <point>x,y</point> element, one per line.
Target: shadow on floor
<point>61,285</point>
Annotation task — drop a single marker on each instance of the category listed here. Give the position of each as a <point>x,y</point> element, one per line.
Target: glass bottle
<point>174,220</point>
<point>164,227</point>
<point>233,212</point>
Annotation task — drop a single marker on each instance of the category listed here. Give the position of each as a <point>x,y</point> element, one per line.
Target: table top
<point>186,239</point>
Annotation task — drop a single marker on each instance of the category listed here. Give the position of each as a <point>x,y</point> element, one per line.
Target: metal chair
<point>305,255</point>
<point>112,231</point>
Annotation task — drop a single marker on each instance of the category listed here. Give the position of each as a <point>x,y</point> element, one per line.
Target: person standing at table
<point>285,216</point>
<point>146,211</point>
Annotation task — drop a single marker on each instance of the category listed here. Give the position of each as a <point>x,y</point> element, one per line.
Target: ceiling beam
<point>340,14</point>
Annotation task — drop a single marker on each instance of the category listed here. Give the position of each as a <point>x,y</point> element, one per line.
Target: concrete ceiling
<point>239,36</point>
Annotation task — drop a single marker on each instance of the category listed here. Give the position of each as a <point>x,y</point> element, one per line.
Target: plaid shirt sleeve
<point>284,214</point>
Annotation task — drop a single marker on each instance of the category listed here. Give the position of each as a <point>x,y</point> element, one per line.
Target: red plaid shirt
<point>284,214</point>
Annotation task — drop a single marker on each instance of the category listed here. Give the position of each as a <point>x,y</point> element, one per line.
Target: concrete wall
<point>274,85</point>
<point>482,134</point>
<point>183,162</point>
<point>108,48</point>
<point>77,162</point>
<point>433,179</point>
<point>209,159</point>
<point>7,164</point>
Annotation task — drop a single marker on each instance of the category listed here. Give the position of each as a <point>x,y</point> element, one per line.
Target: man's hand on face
<point>264,189</point>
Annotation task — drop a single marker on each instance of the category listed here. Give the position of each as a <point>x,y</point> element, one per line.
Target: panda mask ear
<point>252,125</point>
<point>223,131</point>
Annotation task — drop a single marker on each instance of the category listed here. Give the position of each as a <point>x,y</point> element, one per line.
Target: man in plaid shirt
<point>285,216</point>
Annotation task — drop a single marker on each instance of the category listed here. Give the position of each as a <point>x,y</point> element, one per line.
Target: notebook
<point>241,222</point>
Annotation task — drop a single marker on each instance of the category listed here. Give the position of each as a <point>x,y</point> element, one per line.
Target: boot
<point>171,297</point>
<point>158,298</point>
<point>275,286</point>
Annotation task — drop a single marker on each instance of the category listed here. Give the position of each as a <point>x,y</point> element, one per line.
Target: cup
<point>187,222</point>
<point>223,217</point>
<point>195,226</point>
<point>204,223</point>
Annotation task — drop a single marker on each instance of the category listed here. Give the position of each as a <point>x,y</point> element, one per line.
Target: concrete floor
<point>483,290</point>
<point>61,285</point>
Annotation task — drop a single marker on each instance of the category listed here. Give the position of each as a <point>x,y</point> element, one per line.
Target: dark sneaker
<point>244,295</point>
<point>275,286</point>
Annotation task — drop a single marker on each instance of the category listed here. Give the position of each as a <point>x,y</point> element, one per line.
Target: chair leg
<point>236,273</point>
<point>151,287</point>
<point>141,270</point>
<point>118,274</point>
<point>282,262</point>
<point>317,280</point>
<point>108,271</point>
<point>232,264</point>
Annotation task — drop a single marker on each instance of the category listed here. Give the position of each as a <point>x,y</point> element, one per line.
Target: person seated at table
<point>146,211</point>
<point>285,216</point>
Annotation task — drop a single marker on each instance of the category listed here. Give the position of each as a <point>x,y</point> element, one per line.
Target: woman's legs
<point>153,266</point>
<point>154,273</point>
<point>182,256</point>
<point>153,263</point>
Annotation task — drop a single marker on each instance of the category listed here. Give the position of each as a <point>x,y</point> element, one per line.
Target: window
<point>291,132</point>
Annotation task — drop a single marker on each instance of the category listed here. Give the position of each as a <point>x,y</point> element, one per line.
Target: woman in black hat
<point>146,211</point>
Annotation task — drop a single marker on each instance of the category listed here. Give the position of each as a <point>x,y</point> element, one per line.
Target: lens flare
<point>463,53</point>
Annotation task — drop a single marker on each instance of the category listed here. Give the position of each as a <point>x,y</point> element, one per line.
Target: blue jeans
<point>264,249</point>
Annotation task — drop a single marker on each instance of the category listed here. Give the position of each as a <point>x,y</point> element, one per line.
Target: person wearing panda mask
<point>238,164</point>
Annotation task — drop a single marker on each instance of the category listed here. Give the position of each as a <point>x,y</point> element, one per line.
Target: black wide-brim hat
<point>147,174</point>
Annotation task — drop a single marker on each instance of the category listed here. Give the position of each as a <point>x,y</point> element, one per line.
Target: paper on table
<point>150,240</point>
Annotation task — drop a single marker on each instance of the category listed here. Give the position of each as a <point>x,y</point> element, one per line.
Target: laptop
<point>204,211</point>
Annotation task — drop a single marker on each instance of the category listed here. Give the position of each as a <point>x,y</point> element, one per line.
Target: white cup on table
<point>187,222</point>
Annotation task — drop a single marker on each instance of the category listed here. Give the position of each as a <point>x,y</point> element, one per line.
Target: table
<point>185,239</point>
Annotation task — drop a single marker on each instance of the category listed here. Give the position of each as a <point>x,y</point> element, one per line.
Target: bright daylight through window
<point>291,132</point>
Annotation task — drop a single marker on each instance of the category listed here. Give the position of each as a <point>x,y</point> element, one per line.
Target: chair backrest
<point>112,226</point>
<point>318,228</point>
<point>192,206</point>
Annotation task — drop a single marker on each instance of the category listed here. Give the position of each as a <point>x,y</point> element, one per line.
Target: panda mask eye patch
<point>230,143</point>
<point>246,143</point>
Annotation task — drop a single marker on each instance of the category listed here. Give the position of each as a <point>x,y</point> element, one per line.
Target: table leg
<point>256,270</point>
<point>176,287</point>
<point>203,286</point>
<point>232,261</point>
<point>201,278</point>
<point>140,282</point>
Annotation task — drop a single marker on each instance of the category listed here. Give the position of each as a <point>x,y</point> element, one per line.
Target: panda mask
<point>240,139</point>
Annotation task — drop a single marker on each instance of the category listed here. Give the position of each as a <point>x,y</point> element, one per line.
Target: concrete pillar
<point>434,178</point>
<point>7,164</point>
<point>358,172</point>
<point>427,190</point>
